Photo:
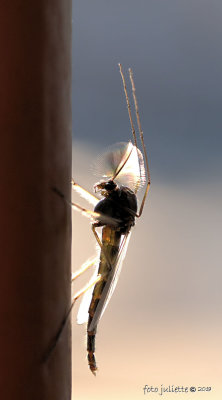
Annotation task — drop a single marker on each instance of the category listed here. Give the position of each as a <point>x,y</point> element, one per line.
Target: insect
<point>115,214</point>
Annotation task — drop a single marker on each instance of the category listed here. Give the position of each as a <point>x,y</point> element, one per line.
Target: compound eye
<point>110,185</point>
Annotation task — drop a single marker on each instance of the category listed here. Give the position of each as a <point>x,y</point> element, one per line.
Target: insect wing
<point>133,172</point>
<point>119,264</point>
<point>111,282</point>
<point>125,161</point>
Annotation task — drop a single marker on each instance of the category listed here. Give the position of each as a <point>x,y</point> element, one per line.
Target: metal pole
<point>35,224</point>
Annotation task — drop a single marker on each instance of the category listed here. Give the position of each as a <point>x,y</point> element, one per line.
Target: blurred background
<point>163,324</point>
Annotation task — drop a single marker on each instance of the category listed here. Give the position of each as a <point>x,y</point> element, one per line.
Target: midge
<point>116,214</point>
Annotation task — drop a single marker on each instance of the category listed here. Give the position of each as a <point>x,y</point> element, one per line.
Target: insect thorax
<point>120,204</point>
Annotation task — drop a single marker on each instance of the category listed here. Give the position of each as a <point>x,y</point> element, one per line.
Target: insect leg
<point>84,290</point>
<point>63,323</point>
<point>85,211</point>
<point>130,114</point>
<point>142,141</point>
<point>128,105</point>
<point>103,218</point>
<point>84,193</point>
<point>89,263</point>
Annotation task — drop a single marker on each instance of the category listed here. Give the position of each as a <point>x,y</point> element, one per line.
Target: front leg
<point>84,193</point>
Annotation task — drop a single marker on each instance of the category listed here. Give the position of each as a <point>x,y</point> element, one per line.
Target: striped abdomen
<point>111,242</point>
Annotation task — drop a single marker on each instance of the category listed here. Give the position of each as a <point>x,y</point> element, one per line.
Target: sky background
<point>163,324</point>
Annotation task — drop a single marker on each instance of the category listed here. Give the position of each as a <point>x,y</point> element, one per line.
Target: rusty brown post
<point>35,227</point>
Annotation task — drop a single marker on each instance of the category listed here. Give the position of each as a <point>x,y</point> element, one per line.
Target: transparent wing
<point>124,155</point>
<point>111,282</point>
<point>122,254</point>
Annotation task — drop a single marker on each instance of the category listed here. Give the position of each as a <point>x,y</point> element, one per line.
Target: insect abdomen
<point>91,348</point>
<point>110,241</point>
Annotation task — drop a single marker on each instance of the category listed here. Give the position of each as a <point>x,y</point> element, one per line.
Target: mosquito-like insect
<point>116,214</point>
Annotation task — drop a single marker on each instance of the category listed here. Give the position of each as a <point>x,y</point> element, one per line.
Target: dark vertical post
<point>35,227</point>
